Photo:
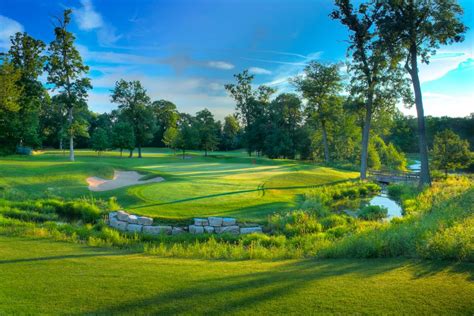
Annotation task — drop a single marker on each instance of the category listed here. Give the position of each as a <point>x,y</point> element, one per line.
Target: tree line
<point>333,118</point>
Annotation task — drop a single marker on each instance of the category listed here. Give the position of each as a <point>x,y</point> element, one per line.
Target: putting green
<point>229,184</point>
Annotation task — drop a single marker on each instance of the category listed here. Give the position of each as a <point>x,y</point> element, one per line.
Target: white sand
<point>121,179</point>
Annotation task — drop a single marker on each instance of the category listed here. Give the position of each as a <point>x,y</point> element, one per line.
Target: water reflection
<point>415,166</point>
<point>383,200</point>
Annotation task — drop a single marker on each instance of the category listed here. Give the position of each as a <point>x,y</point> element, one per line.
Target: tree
<point>450,151</point>
<point>166,116</point>
<point>251,106</point>
<point>123,137</point>
<point>374,79</point>
<point>27,56</point>
<point>207,130</point>
<point>285,118</point>
<point>66,73</point>
<point>170,136</point>
<point>188,135</point>
<point>10,94</point>
<point>134,104</point>
<point>319,83</point>
<point>99,140</point>
<point>230,133</point>
<point>415,29</point>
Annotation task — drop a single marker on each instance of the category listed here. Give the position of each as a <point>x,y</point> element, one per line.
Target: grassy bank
<point>80,279</point>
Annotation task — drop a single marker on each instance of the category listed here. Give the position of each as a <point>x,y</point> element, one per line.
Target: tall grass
<point>440,225</point>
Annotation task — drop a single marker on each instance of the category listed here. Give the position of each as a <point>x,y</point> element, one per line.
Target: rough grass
<point>229,184</point>
<point>44,277</point>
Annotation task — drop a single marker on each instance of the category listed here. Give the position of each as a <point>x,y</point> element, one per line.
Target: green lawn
<point>230,184</point>
<point>41,276</point>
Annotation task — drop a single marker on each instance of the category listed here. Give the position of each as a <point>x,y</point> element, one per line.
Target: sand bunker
<point>121,179</point>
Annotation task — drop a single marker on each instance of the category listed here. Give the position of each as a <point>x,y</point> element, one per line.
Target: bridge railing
<point>395,175</point>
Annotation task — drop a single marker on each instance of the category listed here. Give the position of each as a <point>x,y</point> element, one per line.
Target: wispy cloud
<point>259,71</point>
<point>281,53</point>
<point>220,65</point>
<point>8,28</point>
<point>190,94</point>
<point>89,19</point>
<point>272,61</point>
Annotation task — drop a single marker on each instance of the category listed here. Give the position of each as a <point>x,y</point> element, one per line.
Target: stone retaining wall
<point>124,221</point>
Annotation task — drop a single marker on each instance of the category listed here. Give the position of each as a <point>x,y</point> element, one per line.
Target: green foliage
<point>294,223</point>
<point>123,136</point>
<point>320,85</point>
<point>383,156</point>
<point>285,118</point>
<point>450,151</point>
<point>167,116</point>
<point>401,192</point>
<point>334,197</point>
<point>373,212</point>
<point>230,133</point>
<point>134,106</point>
<point>251,105</point>
<point>207,130</point>
<point>100,140</point>
<point>50,209</point>
<point>10,94</point>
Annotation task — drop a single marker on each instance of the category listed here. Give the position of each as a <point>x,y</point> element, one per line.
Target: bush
<point>333,221</point>
<point>401,192</point>
<point>373,212</point>
<point>294,223</point>
<point>81,210</point>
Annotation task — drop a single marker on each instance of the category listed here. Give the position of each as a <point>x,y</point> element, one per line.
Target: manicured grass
<point>229,184</point>
<point>41,276</point>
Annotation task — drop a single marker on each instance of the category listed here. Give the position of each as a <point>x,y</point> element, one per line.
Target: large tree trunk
<point>61,143</point>
<point>425,178</point>
<point>365,138</point>
<point>139,151</point>
<point>325,142</point>
<point>71,136</point>
<point>130,155</point>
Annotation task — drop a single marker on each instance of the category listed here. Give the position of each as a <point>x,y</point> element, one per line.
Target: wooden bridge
<point>394,176</point>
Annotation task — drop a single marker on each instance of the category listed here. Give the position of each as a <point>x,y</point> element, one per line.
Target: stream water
<point>394,209</point>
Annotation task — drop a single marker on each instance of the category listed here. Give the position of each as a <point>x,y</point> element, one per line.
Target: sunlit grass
<point>225,183</point>
<point>44,277</point>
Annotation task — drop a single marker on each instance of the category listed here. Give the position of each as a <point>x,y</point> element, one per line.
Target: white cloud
<point>220,65</point>
<point>444,61</point>
<point>436,104</point>
<point>87,18</point>
<point>288,70</point>
<point>190,94</point>
<point>8,28</point>
<point>259,71</point>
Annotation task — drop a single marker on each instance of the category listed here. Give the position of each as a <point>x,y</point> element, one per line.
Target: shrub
<point>294,223</point>
<point>373,212</point>
<point>333,221</point>
<point>82,210</point>
<point>401,192</point>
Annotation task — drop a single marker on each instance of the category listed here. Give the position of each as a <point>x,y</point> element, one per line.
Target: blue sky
<point>185,51</point>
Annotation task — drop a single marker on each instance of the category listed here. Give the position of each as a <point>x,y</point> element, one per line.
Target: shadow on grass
<point>89,255</point>
<point>246,290</point>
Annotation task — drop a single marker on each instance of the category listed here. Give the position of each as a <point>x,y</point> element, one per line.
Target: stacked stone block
<point>124,221</point>
<point>220,225</point>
